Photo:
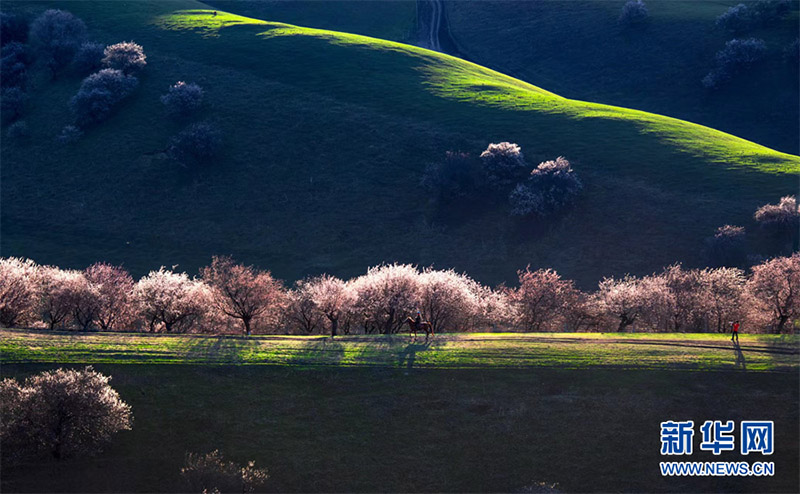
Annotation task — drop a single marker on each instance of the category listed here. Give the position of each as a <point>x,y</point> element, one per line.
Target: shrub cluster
<point>634,12</point>
<point>183,99</point>
<point>738,55</point>
<point>551,186</point>
<point>503,164</point>
<point>452,178</point>
<point>782,218</point>
<point>741,18</point>
<point>232,298</point>
<point>55,35</point>
<point>127,57</point>
<point>59,413</point>
<point>89,57</point>
<point>15,58</point>
<point>198,144</point>
<point>99,94</point>
<point>58,35</point>
<point>212,473</point>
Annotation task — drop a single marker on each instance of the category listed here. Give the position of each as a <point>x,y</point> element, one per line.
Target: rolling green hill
<point>326,136</point>
<point>576,49</point>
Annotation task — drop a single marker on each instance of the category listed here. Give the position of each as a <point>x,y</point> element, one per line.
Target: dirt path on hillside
<point>433,28</point>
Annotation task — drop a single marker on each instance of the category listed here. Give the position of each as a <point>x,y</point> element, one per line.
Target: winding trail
<point>429,22</point>
<point>436,24</point>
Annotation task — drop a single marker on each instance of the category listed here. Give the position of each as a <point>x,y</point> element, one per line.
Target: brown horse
<point>424,326</point>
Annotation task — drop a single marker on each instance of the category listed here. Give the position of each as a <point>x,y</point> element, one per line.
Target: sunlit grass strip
<point>569,351</point>
<point>204,21</point>
<point>463,83</point>
<point>456,79</point>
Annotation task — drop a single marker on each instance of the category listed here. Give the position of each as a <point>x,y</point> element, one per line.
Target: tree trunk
<point>246,321</point>
<point>334,326</point>
<point>781,323</point>
<point>624,322</point>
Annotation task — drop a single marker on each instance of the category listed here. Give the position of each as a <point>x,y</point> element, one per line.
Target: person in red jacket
<point>735,331</point>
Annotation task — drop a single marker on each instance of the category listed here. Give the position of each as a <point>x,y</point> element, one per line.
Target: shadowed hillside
<point>579,50</point>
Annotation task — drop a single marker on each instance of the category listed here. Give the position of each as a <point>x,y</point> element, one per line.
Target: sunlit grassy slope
<point>456,79</point>
<point>326,137</point>
<point>577,48</point>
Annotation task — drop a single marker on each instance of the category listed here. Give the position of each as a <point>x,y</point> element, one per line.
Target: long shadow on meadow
<point>323,351</point>
<point>782,349</point>
<point>223,349</point>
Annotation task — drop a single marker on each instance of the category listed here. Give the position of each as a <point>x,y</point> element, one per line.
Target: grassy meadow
<point>326,137</point>
<point>690,351</point>
<point>467,412</point>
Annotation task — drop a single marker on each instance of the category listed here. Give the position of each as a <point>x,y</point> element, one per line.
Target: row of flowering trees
<point>227,297</point>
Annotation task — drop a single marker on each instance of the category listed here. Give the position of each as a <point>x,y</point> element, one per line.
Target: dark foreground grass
<point>463,413</point>
<point>383,429</point>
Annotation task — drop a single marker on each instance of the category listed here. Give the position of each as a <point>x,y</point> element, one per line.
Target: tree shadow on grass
<point>408,355</point>
<point>784,342</point>
<point>325,351</point>
<point>221,349</point>
<point>774,349</point>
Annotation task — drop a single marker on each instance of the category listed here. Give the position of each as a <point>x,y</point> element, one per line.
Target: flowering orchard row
<point>226,297</point>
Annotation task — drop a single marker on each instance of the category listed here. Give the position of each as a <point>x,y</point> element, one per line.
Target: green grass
<point>326,136</point>
<point>386,19</point>
<point>451,351</point>
<point>471,413</point>
<point>576,49</point>
<point>458,80</point>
